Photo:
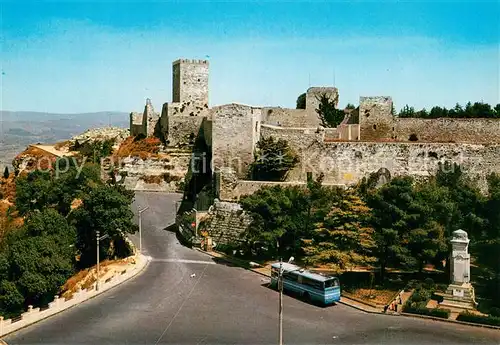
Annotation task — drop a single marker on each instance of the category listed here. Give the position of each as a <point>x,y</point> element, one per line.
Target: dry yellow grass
<point>144,148</point>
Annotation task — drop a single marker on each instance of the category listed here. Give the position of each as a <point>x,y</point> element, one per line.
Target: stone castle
<point>369,139</point>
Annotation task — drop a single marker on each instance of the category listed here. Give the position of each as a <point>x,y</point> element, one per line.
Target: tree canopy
<point>37,261</point>
<point>471,110</point>
<point>273,159</point>
<point>301,101</point>
<point>328,113</point>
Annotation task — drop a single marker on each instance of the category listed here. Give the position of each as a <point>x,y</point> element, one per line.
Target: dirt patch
<point>86,278</point>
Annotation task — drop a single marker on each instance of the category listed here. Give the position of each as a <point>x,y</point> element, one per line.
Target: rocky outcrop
<point>102,134</point>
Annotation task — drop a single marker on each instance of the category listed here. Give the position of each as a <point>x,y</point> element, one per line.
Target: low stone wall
<point>231,189</point>
<point>225,222</point>
<point>33,315</point>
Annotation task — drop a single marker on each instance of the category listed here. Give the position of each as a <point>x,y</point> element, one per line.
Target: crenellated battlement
<point>190,61</point>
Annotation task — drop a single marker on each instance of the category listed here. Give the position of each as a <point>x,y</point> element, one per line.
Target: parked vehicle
<point>310,286</point>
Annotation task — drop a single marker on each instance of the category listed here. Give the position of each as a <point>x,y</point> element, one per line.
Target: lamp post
<point>99,238</point>
<point>140,228</point>
<point>280,288</point>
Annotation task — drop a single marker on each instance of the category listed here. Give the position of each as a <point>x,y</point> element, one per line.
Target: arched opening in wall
<point>309,176</point>
<point>191,138</point>
<point>374,126</point>
<point>413,137</point>
<point>367,113</point>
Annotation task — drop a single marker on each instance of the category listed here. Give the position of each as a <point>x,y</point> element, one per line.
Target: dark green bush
<point>422,310</point>
<point>429,283</point>
<point>485,320</point>
<point>420,295</point>
<point>494,311</point>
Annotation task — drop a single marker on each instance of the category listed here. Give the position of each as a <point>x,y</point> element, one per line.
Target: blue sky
<point>79,56</point>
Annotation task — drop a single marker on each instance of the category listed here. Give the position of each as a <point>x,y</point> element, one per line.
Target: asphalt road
<point>220,304</point>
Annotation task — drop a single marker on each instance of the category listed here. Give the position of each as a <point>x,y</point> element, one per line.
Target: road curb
<point>345,300</point>
<point>144,262</point>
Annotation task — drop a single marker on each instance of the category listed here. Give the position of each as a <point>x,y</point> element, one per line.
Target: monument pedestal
<point>459,296</point>
<point>460,293</point>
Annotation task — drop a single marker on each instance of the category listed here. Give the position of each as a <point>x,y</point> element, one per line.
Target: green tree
<point>328,113</point>
<point>39,190</point>
<point>40,257</point>
<point>344,239</point>
<point>105,209</point>
<point>487,246</point>
<point>467,199</point>
<point>407,111</point>
<point>392,217</point>
<point>6,173</point>
<point>33,192</point>
<point>273,159</point>
<point>350,106</point>
<point>11,300</point>
<point>285,216</point>
<point>301,101</point>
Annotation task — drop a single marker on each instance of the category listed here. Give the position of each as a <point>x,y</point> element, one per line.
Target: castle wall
<point>234,128</point>
<point>136,126</point>
<point>290,117</point>
<point>300,140</point>
<point>180,124</point>
<point>171,171</point>
<point>348,162</point>
<point>448,130</point>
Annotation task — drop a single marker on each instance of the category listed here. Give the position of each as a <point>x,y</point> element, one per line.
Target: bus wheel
<point>306,297</point>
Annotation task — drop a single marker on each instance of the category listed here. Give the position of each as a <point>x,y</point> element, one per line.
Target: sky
<point>81,56</point>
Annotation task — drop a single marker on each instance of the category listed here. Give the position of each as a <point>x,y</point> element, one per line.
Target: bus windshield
<point>333,282</point>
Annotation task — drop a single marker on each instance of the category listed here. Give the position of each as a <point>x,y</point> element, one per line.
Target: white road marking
<point>184,261</point>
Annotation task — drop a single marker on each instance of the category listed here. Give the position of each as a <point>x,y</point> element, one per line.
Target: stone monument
<point>460,292</point>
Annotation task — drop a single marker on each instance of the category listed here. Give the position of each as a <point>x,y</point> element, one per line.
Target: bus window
<point>334,282</point>
<point>290,276</point>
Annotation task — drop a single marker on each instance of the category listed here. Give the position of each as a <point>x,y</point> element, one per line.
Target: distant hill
<point>18,129</point>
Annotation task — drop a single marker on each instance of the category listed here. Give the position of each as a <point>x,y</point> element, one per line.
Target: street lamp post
<point>280,288</point>
<point>99,238</point>
<point>140,228</point>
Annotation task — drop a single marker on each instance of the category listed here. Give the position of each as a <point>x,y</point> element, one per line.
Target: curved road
<point>220,305</point>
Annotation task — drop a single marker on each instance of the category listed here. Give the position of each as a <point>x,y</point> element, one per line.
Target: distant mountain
<point>18,129</point>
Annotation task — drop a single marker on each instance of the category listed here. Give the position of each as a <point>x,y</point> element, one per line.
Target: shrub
<point>420,296</point>
<point>494,311</point>
<point>420,309</point>
<point>485,320</point>
<point>428,283</point>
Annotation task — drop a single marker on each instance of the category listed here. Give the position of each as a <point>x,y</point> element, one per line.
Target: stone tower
<point>190,82</point>
<point>375,118</point>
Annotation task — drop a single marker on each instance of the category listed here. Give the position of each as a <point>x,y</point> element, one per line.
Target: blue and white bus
<point>309,285</point>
